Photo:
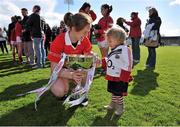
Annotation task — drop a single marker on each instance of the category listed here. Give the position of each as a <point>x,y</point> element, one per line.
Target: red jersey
<point>91,14</point>
<point>63,44</point>
<point>18,29</point>
<point>105,23</point>
<point>135,27</point>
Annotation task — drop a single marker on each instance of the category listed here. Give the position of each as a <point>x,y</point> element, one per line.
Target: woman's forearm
<point>64,73</point>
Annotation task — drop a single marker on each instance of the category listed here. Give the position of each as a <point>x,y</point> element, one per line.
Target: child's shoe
<point>111,106</point>
<point>119,109</point>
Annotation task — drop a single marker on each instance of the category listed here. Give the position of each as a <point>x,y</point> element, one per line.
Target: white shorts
<point>18,39</point>
<point>103,44</point>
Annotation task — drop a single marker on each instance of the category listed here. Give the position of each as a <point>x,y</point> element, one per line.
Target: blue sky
<point>53,11</point>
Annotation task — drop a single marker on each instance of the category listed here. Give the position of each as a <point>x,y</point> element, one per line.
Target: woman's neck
<point>72,37</point>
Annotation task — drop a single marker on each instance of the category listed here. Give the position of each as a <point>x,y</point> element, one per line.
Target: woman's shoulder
<point>61,36</point>
<point>85,40</point>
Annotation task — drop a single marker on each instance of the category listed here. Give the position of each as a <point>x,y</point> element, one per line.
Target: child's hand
<point>98,62</point>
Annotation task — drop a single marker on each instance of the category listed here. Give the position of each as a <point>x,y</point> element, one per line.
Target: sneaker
<point>85,102</point>
<point>108,107</point>
<point>31,64</point>
<point>14,62</point>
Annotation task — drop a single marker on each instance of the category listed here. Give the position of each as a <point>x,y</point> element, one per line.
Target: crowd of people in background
<point>31,35</point>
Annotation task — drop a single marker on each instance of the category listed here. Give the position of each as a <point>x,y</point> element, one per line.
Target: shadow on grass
<point>108,120</point>
<point>50,112</point>
<point>8,68</point>
<point>6,64</point>
<point>12,69</point>
<point>11,92</point>
<point>144,82</point>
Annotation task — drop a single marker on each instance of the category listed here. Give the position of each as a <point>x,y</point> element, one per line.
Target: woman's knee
<point>59,88</point>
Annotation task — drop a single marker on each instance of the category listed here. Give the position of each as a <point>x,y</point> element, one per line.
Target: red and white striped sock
<point>117,99</point>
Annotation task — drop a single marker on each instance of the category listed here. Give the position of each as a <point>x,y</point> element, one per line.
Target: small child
<point>119,65</point>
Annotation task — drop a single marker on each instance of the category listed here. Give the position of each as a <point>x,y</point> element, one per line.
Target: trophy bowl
<point>79,61</point>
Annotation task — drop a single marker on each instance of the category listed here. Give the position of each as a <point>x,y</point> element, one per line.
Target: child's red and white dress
<point>119,65</point>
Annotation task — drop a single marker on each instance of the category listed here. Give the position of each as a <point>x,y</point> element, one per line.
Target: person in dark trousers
<point>3,40</point>
<point>156,20</point>
<point>36,26</point>
<point>135,35</point>
<point>48,37</point>
<point>11,26</point>
<point>26,38</point>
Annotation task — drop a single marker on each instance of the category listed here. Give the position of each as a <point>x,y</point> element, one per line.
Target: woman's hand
<point>77,76</point>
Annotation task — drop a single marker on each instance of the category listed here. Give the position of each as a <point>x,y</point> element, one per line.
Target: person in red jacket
<point>74,41</point>
<point>135,35</point>
<point>18,33</point>
<point>104,24</point>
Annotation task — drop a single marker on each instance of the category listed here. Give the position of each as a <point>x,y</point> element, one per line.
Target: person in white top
<point>3,40</point>
<point>119,66</point>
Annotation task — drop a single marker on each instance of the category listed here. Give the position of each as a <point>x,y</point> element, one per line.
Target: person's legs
<point>103,46</point>
<point>13,53</point>
<point>46,47</point>
<point>26,50</point>
<point>5,46</point>
<point>149,57</point>
<point>119,108</point>
<point>19,45</point>
<point>2,48</point>
<point>37,47</point>
<point>136,49</point>
<point>31,52</point>
<point>111,106</point>
<point>43,52</point>
<point>152,60</point>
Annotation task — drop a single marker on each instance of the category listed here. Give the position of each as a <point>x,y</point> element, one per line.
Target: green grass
<point>153,99</point>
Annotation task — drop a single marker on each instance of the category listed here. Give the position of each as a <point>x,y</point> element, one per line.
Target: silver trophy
<point>84,64</point>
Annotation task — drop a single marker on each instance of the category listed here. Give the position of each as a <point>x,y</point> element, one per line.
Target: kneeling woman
<point>74,41</point>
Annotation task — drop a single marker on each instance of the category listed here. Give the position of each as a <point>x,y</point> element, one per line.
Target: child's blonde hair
<point>118,33</point>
